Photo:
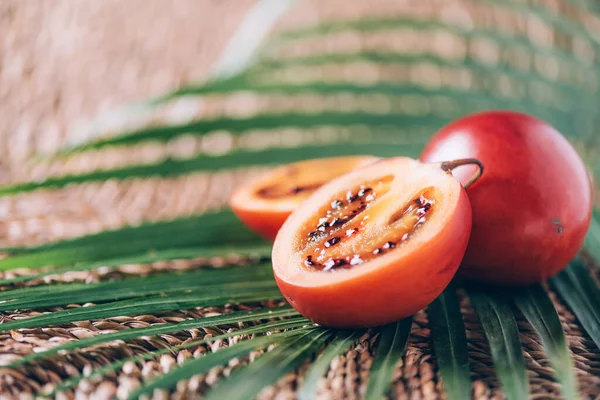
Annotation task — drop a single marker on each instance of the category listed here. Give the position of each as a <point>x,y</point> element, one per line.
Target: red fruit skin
<point>531,208</point>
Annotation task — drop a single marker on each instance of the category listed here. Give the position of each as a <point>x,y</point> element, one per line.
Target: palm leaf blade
<point>247,382</point>
<point>592,240</point>
<point>450,344</point>
<point>185,253</point>
<point>235,159</point>
<point>576,287</point>
<point>253,292</point>
<point>500,327</point>
<point>205,363</point>
<point>207,279</point>
<point>164,133</point>
<point>292,323</point>
<point>204,231</point>
<point>539,310</point>
<point>225,319</point>
<point>391,347</point>
<point>341,342</point>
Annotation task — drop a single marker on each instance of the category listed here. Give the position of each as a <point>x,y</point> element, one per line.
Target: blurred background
<point>364,71</point>
<point>68,68</point>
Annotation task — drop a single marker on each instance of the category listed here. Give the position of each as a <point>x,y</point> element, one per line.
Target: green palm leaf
<point>390,349</point>
<point>450,344</point>
<point>576,286</point>
<point>247,382</point>
<point>500,327</point>
<point>254,291</point>
<point>592,240</point>
<point>417,59</point>
<point>272,121</point>
<point>205,363</point>
<point>558,22</point>
<point>260,251</point>
<point>160,329</point>
<point>465,101</point>
<point>387,147</point>
<point>498,37</point>
<point>204,230</point>
<point>114,366</point>
<point>209,280</point>
<point>537,307</point>
<point>340,343</point>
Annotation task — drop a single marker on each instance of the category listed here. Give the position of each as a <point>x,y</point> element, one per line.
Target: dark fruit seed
<point>309,262</point>
<point>336,204</point>
<point>340,262</point>
<point>389,245</point>
<point>332,242</point>
<point>376,251</point>
<point>351,196</point>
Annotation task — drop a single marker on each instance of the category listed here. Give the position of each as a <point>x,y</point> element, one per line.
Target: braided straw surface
<point>65,61</point>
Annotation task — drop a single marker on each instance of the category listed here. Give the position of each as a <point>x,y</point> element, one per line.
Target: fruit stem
<point>448,166</point>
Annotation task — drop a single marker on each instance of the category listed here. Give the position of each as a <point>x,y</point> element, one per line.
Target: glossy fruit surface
<point>375,245</point>
<point>532,206</point>
<point>264,203</point>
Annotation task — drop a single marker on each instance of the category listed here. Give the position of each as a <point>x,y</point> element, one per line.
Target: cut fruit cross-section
<point>263,204</point>
<point>375,245</point>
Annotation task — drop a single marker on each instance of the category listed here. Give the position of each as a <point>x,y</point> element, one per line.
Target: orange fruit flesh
<point>375,245</point>
<point>264,203</point>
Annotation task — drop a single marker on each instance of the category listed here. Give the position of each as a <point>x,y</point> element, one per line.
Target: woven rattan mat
<point>63,62</point>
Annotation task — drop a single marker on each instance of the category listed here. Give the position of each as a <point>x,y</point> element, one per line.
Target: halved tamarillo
<point>264,203</point>
<point>375,245</point>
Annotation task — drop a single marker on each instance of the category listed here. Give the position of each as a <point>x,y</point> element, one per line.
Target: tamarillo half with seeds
<point>374,245</point>
<point>264,203</point>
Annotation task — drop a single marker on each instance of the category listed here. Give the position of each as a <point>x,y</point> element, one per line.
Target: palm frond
<point>160,329</point>
<point>390,348</point>
<point>223,356</point>
<point>247,382</point>
<point>500,328</point>
<point>498,37</point>
<point>275,121</point>
<point>254,291</point>
<point>560,23</point>
<point>380,57</point>
<point>576,287</point>
<point>537,307</point>
<point>149,257</point>
<point>207,280</point>
<point>592,240</point>
<point>206,230</point>
<point>232,160</point>
<point>450,344</point>
<point>338,345</point>
<point>267,327</point>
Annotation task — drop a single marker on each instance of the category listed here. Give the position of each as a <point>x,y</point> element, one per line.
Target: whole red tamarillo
<point>532,206</point>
